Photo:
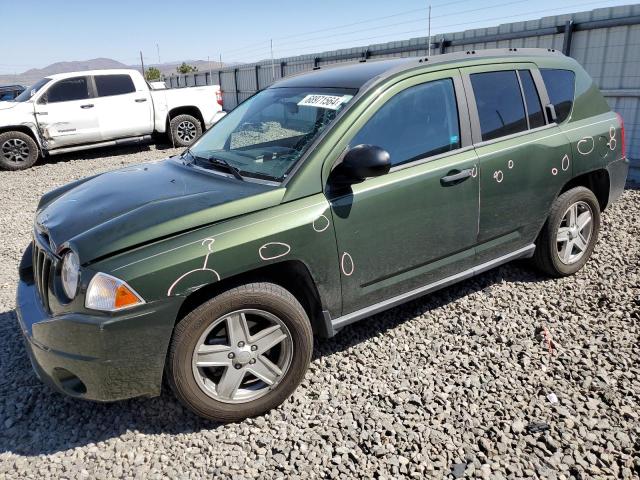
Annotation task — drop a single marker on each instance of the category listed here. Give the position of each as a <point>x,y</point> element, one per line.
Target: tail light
<point>623,142</point>
<point>219,97</point>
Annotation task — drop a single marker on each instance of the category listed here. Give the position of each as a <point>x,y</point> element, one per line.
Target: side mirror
<point>362,162</point>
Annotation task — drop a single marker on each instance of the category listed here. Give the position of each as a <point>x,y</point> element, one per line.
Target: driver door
<point>419,223</point>
<point>66,113</point>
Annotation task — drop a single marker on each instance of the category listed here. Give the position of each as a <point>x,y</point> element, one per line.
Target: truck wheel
<point>570,233</point>
<point>184,130</point>
<point>17,151</point>
<point>241,353</point>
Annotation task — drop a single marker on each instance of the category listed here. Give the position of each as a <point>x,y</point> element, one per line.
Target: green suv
<point>316,203</point>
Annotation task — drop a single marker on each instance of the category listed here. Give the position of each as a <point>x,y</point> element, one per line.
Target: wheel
<point>570,233</point>
<point>241,353</point>
<point>184,130</point>
<point>17,151</point>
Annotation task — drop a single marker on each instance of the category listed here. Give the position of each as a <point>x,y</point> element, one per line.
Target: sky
<point>240,31</point>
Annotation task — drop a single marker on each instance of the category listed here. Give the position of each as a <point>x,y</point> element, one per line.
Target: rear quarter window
<point>560,86</point>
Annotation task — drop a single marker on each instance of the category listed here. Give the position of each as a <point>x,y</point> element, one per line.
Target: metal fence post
<point>257,78</point>
<point>282,65</point>
<point>235,85</point>
<point>566,41</point>
<point>442,45</point>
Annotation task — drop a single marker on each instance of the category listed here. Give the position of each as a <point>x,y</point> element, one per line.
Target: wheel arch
<point>184,110</point>
<point>292,275</point>
<point>597,181</point>
<point>23,129</point>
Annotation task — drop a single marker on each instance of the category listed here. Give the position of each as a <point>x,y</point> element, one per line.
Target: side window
<point>532,100</point>
<point>108,85</point>
<point>416,123</point>
<point>69,89</point>
<point>499,103</point>
<point>561,89</point>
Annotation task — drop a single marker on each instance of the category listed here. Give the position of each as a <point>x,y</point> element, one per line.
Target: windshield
<point>32,90</point>
<point>266,135</point>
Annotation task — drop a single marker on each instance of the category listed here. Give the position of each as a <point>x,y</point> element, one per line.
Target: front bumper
<point>102,357</point>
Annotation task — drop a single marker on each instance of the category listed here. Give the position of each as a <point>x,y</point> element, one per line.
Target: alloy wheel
<point>574,232</point>
<point>187,131</point>
<point>242,356</point>
<point>15,150</point>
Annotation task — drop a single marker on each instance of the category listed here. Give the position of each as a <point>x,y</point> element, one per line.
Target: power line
<point>322,46</point>
<point>420,20</point>
<point>337,27</point>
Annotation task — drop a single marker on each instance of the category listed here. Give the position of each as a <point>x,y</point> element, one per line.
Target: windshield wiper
<point>218,162</point>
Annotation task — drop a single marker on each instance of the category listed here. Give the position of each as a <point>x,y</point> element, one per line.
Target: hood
<point>9,105</point>
<point>128,207</point>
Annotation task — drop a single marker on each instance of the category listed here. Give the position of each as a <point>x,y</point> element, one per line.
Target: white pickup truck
<point>79,110</point>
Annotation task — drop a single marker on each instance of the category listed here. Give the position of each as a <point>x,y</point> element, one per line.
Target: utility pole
<point>429,31</point>
<point>142,63</point>
<point>273,67</point>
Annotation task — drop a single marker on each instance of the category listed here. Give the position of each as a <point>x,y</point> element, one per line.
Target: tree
<point>184,68</point>
<point>152,74</point>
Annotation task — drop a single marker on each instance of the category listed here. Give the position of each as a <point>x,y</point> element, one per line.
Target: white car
<point>79,110</point>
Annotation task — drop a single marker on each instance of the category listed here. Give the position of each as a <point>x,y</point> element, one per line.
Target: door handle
<point>88,105</point>
<point>455,177</point>
<point>42,113</point>
<point>140,100</point>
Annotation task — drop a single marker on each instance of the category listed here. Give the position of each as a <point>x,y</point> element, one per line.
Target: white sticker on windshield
<point>331,102</point>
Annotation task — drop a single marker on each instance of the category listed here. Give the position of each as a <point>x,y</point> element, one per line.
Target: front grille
<point>42,270</point>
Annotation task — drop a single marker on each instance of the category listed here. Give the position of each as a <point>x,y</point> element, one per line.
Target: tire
<point>207,397</point>
<point>18,151</point>
<point>552,255</point>
<point>184,130</point>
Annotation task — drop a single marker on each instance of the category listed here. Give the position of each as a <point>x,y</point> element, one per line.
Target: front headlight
<point>109,294</point>
<point>70,274</point>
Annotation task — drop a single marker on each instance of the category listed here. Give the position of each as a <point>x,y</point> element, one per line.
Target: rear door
<point>124,109</point>
<point>66,113</point>
<point>524,157</point>
<point>418,223</point>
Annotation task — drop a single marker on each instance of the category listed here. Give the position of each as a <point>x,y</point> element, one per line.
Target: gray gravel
<point>452,385</point>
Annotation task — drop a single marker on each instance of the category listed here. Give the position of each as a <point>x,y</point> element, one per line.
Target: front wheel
<point>17,151</point>
<point>240,354</point>
<point>184,130</point>
<point>569,236</point>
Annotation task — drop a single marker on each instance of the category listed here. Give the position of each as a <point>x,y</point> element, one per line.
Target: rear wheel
<point>17,151</point>
<point>569,236</point>
<point>241,353</point>
<point>184,130</point>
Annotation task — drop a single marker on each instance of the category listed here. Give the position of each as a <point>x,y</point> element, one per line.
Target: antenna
<point>158,49</point>
<point>142,63</point>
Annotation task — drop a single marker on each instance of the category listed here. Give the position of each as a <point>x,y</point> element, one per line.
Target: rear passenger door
<point>122,110</point>
<point>524,158</point>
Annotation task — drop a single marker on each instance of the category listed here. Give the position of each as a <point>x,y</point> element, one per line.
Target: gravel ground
<point>453,385</point>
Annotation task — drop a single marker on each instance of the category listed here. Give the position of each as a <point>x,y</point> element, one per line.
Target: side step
<point>109,143</point>
<point>333,325</point>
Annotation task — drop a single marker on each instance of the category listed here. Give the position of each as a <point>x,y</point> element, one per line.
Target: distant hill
<point>33,75</point>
